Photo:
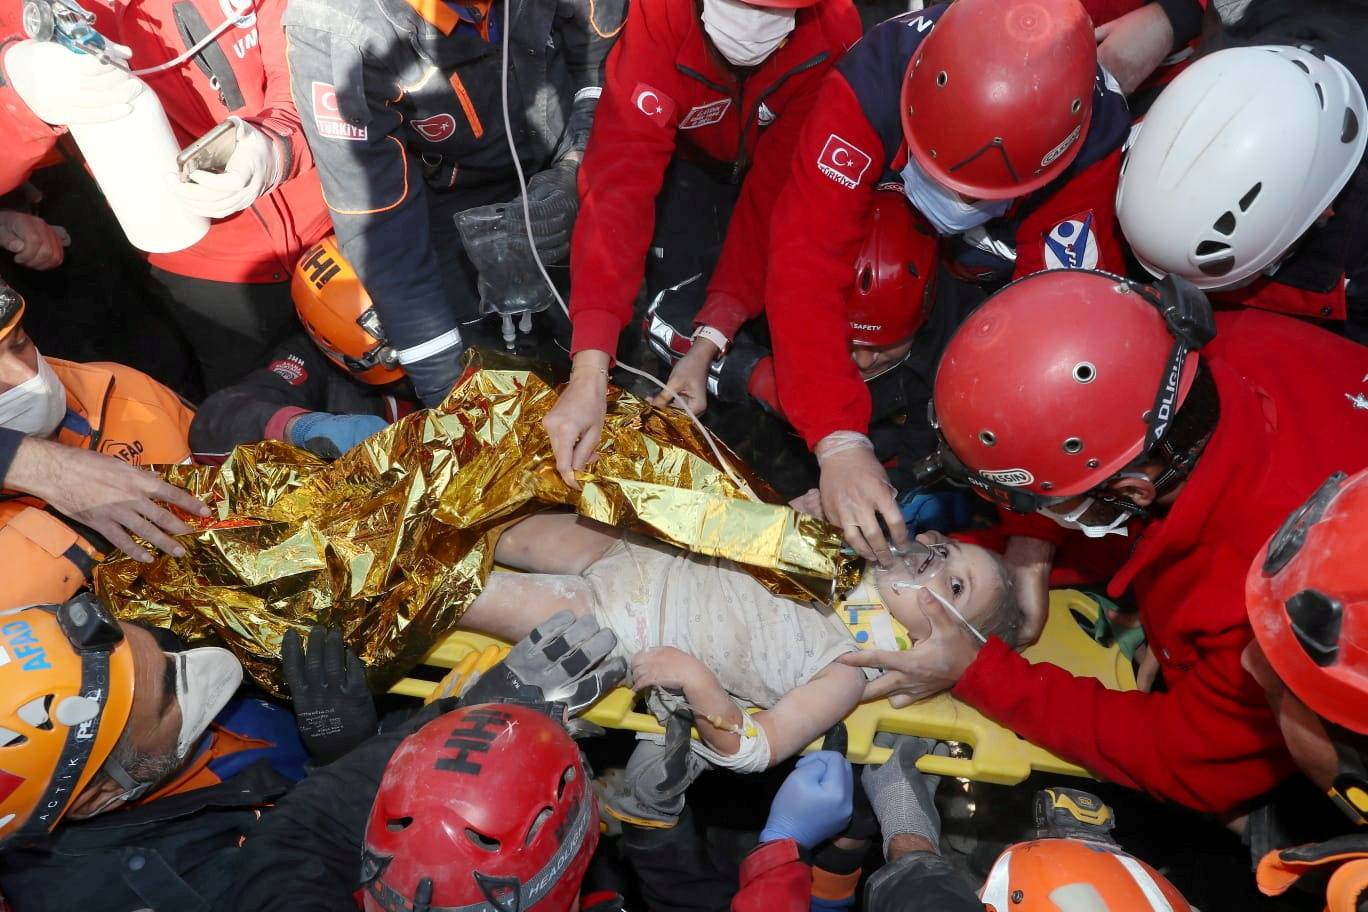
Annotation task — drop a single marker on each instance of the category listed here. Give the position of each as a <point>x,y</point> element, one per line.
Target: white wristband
<point>713,335</point>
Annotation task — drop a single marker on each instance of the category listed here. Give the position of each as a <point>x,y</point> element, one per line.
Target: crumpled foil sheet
<point>393,541</point>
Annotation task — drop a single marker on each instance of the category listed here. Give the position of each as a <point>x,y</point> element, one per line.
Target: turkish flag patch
<point>437,128</point>
<point>705,115</point>
<point>328,116</point>
<point>8,783</point>
<point>655,104</point>
<point>843,161</point>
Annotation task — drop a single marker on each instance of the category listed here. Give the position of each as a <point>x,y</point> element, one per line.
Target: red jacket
<point>852,142</point>
<point>667,92</point>
<point>774,878</point>
<point>1294,409</point>
<point>259,244</point>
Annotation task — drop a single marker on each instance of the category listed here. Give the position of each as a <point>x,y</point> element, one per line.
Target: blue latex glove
<point>814,803</point>
<point>941,511</point>
<point>330,435</point>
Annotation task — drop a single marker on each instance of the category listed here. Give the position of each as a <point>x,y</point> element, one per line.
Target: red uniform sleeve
<point>1270,294</point>
<point>278,112</point>
<point>818,224</point>
<point>774,879</point>
<point>1090,195</point>
<point>736,293</point>
<point>1210,742</point>
<point>624,166</point>
<point>27,139</point>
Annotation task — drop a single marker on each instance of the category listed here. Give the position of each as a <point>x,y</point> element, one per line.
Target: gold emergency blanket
<point>392,542</point>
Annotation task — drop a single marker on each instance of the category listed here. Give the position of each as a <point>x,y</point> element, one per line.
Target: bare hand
<point>34,242</point>
<point>575,423</point>
<point>1132,46</point>
<point>689,379</point>
<point>931,666</point>
<point>667,667</point>
<point>115,499</point>
<point>855,494</point>
<point>1030,561</point>
<point>809,503</point>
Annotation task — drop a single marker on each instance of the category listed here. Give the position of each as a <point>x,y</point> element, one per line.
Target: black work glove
<point>332,703</point>
<point>564,660</point>
<point>553,201</point>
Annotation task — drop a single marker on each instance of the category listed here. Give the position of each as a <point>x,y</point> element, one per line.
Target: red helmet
<point>895,274</point>
<point>997,98</point>
<point>1048,875</point>
<point>486,807</point>
<point>1307,595</point>
<point>1062,378</point>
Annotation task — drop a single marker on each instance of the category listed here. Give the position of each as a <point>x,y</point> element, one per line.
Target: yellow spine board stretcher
<point>999,756</point>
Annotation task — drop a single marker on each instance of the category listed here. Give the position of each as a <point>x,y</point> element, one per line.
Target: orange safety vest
<point>111,409</point>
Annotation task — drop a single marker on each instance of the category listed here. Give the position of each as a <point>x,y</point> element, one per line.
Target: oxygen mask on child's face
<point>914,567</point>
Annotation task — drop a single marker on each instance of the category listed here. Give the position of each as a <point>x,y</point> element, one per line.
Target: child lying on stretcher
<point>704,628</point>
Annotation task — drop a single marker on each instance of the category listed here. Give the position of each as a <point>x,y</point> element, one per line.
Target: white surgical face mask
<point>921,564</point>
<point>206,680</point>
<point>36,406</point>
<point>1073,519</point>
<point>745,34</point>
<point>945,209</point>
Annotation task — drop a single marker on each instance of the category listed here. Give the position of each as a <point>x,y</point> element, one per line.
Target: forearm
<point>716,714</point>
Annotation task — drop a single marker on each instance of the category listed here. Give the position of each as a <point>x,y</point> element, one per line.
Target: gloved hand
<point>564,660</point>
<point>938,511</point>
<point>62,87</point>
<point>332,703</point>
<point>815,801</point>
<point>904,798</point>
<point>330,435</point>
<point>651,791</point>
<point>253,169</point>
<point>34,242</point>
<point>856,493</point>
<point>553,201</point>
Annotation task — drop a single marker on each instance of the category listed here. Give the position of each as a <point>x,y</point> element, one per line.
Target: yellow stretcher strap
<point>998,755</point>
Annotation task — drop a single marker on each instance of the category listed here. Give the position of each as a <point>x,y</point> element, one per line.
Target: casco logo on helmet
<point>1012,478</point>
<point>26,646</point>
<point>1062,147</point>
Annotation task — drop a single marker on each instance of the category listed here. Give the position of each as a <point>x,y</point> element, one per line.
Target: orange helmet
<point>340,317</point>
<point>895,274</point>
<point>1049,875</point>
<point>66,690</point>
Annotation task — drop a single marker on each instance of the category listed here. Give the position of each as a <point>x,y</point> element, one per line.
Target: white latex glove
<point>62,87</point>
<point>856,493</point>
<point>253,170</point>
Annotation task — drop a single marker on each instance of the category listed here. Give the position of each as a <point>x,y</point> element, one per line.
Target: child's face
<point>969,578</point>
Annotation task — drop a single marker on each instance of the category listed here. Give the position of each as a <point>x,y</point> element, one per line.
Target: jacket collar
<point>698,58</point>
<point>88,387</point>
<point>1211,504</point>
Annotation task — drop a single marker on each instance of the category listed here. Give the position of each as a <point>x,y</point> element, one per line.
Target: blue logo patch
<point>1072,244</point>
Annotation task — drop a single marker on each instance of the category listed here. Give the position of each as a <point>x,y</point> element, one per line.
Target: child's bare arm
<point>554,543</point>
<point>797,720</point>
<point>805,713</point>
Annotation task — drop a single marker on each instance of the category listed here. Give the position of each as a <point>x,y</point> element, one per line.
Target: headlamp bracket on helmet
<point>87,625</point>
<point>1291,535</point>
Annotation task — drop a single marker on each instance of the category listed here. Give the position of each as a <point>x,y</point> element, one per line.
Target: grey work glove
<point>903,798</point>
<point>332,703</point>
<point>651,792</point>
<point>564,660</point>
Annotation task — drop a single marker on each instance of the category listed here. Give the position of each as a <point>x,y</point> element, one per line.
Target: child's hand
<point>667,667</point>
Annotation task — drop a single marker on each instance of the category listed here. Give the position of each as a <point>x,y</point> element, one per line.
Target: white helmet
<point>1236,159</point>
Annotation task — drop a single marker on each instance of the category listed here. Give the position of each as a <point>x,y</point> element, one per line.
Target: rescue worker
<point>1145,43</point>
<point>128,774</point>
<point>1306,604</point>
<point>701,112</point>
<point>326,388</point>
<point>102,408</point>
<point>320,848</point>
<point>1004,133</point>
<point>229,293</point>
<point>1111,409</point>
<point>1247,179</point>
<point>401,104</point>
